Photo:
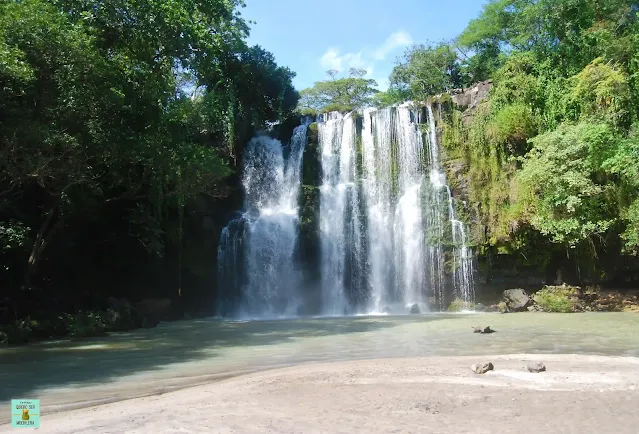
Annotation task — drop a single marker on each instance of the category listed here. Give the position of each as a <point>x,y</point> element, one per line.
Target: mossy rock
<point>311,162</point>
<point>459,305</point>
<point>561,299</point>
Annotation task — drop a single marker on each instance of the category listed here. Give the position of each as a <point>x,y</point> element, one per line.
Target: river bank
<point>69,374</point>
<point>434,394</point>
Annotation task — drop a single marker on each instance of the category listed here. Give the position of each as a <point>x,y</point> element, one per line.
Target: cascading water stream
<point>405,213</point>
<point>255,255</point>
<point>340,229</point>
<point>387,225</point>
<point>462,257</point>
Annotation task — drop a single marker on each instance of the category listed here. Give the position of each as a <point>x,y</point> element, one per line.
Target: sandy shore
<point>417,395</point>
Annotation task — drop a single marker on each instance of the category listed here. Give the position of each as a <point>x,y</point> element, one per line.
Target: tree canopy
<point>118,114</point>
<point>425,71</point>
<point>339,94</point>
<point>551,152</point>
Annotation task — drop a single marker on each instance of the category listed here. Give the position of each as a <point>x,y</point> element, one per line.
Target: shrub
<point>84,324</point>
<point>557,299</point>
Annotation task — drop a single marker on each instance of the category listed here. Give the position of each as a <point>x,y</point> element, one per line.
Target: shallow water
<point>183,353</point>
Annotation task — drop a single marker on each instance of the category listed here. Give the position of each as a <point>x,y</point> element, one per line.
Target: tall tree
<point>341,94</point>
<point>426,70</point>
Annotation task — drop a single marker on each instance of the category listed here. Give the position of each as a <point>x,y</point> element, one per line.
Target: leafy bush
<point>556,299</point>
<point>601,89</point>
<point>16,333</point>
<point>512,126</point>
<point>84,324</point>
<point>561,181</point>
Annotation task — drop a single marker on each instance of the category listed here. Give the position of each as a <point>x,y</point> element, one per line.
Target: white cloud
<point>333,60</point>
<point>396,40</point>
<point>364,59</point>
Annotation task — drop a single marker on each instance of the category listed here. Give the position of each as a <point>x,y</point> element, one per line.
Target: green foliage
<point>512,126</point>
<point>601,90</point>
<point>118,114</point>
<point>561,180</point>
<point>569,34</point>
<point>425,71</point>
<point>342,94</point>
<point>516,82</point>
<point>85,324</point>
<point>625,164</point>
<point>558,299</point>
<point>13,235</point>
<point>551,158</point>
<point>388,98</point>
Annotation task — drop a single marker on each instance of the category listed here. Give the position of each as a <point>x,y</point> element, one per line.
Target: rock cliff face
<point>468,99</point>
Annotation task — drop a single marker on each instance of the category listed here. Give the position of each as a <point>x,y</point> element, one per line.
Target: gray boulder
<point>516,299</point>
<point>414,309</point>
<point>482,368</point>
<point>536,367</point>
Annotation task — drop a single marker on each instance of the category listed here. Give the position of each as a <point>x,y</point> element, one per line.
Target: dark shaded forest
<point>122,128</point>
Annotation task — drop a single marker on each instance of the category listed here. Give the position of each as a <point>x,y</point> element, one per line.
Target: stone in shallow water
<point>483,330</point>
<point>536,367</point>
<point>414,309</point>
<point>482,368</point>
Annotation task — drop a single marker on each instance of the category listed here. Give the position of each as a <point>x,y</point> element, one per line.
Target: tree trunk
<point>47,229</point>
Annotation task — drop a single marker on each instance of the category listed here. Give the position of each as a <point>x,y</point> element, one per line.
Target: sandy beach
<point>594,394</point>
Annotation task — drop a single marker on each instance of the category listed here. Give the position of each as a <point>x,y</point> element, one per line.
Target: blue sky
<point>311,37</point>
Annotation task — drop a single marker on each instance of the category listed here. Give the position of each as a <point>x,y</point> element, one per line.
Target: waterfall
<point>377,183</point>
<point>389,239</point>
<point>340,227</point>
<point>393,177</point>
<point>462,258</point>
<point>256,264</point>
<point>399,239</point>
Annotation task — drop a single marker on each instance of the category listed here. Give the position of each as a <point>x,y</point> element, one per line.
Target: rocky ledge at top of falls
<point>468,99</point>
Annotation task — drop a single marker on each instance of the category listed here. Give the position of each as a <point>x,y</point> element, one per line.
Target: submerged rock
<point>414,309</point>
<point>536,367</point>
<point>516,299</point>
<point>482,368</point>
<point>388,310</point>
<point>484,330</point>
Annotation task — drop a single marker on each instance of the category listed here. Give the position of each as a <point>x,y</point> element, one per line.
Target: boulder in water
<point>414,309</point>
<point>387,309</point>
<point>516,299</point>
<point>482,368</point>
<point>485,330</point>
<point>536,367</point>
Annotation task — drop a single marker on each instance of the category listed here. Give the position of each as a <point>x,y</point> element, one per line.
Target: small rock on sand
<point>482,368</point>
<point>536,367</point>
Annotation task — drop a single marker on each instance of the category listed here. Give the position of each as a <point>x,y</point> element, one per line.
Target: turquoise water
<point>184,353</point>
